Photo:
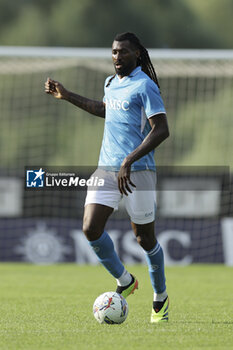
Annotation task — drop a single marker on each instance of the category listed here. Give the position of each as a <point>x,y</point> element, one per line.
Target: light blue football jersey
<point>129,103</point>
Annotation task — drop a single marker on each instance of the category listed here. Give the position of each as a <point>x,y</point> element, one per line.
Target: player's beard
<point>125,69</point>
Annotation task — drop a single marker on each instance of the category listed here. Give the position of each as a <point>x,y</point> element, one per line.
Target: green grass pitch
<point>50,308</point>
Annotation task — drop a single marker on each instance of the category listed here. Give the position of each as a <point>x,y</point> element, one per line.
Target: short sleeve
<point>152,101</point>
<point>105,84</point>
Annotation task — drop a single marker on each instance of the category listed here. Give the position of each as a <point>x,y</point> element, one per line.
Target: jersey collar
<point>135,71</point>
<point>132,74</point>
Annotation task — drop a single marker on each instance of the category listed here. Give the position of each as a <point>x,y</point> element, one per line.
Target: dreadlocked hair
<point>144,59</point>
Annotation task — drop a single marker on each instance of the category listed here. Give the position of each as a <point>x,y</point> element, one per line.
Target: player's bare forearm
<point>156,136</point>
<point>91,106</point>
<point>57,90</point>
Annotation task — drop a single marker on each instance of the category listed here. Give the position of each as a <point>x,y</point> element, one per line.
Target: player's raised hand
<point>55,88</point>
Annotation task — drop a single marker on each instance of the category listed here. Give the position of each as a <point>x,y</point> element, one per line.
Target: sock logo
<point>154,267</point>
<point>96,249</point>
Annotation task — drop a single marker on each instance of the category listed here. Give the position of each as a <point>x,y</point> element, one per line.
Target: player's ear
<point>138,53</point>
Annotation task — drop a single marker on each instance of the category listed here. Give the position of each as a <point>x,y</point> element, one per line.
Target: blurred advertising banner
<point>54,240</point>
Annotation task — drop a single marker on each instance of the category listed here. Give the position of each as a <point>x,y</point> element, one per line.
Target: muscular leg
<point>145,235</point>
<point>154,255</point>
<point>95,218</point>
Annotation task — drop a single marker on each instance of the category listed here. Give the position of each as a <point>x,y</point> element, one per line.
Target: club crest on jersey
<point>117,104</point>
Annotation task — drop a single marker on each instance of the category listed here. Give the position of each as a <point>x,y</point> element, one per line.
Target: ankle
<point>125,279</point>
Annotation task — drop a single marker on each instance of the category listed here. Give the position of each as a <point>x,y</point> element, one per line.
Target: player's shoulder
<point>109,79</point>
<point>146,83</point>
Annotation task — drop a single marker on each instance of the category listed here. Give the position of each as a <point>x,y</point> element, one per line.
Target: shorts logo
<point>148,214</point>
<point>35,178</point>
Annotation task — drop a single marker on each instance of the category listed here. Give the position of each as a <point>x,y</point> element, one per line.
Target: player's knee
<point>91,231</point>
<point>147,242</point>
<point>139,240</point>
<point>88,229</point>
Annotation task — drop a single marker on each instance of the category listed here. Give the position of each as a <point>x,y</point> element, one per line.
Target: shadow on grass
<point>204,322</point>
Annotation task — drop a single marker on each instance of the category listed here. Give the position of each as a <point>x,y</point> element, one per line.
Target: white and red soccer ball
<point>110,308</point>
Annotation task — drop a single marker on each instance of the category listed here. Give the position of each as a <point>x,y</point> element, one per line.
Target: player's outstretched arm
<point>57,90</point>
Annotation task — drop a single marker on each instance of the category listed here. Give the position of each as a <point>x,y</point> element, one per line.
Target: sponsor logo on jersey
<point>117,104</point>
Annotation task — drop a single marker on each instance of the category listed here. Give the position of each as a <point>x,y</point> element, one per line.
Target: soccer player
<point>135,124</point>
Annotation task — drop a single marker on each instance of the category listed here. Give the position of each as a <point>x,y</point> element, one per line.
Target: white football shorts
<point>140,204</point>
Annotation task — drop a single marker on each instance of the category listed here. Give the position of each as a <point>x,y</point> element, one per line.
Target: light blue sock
<point>155,261</point>
<point>104,249</point>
